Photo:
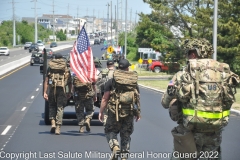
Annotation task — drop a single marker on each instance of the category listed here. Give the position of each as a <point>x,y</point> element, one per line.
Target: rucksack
<point>58,73</point>
<point>124,97</point>
<point>83,90</point>
<point>206,94</point>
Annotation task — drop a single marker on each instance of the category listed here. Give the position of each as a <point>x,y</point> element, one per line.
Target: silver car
<point>27,45</point>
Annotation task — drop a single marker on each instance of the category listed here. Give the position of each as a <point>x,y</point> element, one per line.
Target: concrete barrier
<point>14,64</point>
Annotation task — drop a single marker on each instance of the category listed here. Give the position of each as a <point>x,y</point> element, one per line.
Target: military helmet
<point>203,47</point>
<point>97,62</point>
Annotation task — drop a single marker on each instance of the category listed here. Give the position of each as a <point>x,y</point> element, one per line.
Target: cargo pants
<point>124,126</point>
<point>208,145</point>
<point>56,104</point>
<point>80,105</point>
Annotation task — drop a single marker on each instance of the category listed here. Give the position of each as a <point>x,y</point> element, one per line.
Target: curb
<point>233,111</point>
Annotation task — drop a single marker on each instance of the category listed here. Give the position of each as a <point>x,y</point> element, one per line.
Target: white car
<point>41,46</point>
<point>4,51</point>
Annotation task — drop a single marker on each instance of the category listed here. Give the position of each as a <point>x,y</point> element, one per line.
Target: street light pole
<point>125,46</point>
<point>107,20</point>
<point>111,24</point>
<point>215,29</point>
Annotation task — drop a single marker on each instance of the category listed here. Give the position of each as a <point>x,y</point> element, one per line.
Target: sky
<point>98,8</point>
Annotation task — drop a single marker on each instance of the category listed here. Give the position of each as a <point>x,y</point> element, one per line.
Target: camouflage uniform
<point>124,126</point>
<point>59,101</point>
<point>204,141</point>
<point>121,116</point>
<point>82,101</point>
<point>80,104</point>
<point>56,107</point>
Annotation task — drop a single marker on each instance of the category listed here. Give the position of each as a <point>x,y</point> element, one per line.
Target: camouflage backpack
<point>206,92</point>
<point>83,90</point>
<point>124,97</point>
<point>58,73</point>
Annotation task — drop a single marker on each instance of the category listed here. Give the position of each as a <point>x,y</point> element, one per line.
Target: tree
<point>61,35</point>
<point>195,19</point>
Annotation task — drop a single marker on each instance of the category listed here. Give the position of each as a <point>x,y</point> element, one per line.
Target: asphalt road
<point>23,132</point>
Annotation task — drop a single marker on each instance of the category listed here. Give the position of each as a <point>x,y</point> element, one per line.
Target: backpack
<point>206,94</point>
<point>124,97</point>
<point>83,90</point>
<point>58,73</point>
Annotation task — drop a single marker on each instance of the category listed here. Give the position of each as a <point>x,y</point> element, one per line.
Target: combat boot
<point>57,130</point>
<point>124,155</point>
<point>53,127</point>
<point>87,124</point>
<point>115,153</point>
<point>81,130</point>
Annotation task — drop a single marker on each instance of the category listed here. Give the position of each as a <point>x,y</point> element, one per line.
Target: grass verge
<point>162,85</point>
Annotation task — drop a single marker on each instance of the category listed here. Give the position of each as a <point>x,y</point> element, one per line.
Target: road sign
<point>145,49</point>
<point>140,61</point>
<point>150,61</point>
<point>110,49</point>
<point>132,66</point>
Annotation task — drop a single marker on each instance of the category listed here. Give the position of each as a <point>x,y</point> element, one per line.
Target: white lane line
<point>37,89</point>
<point>6,130</point>
<point>1,59</point>
<point>40,84</point>
<point>32,97</point>
<point>23,108</point>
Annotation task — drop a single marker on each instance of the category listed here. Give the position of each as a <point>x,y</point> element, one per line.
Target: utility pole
<point>93,22</point>
<point>111,24</point>
<point>125,47</point>
<point>67,21</point>
<point>121,16</point>
<point>130,27</point>
<point>215,29</point>
<point>78,22</point>
<point>14,26</point>
<point>36,31</point>
<point>117,25</point>
<point>86,22</point>
<point>107,20</point>
<point>53,24</point>
<point>135,19</point>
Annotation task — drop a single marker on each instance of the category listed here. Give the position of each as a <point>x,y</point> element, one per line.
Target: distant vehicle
<point>159,66</point>
<point>40,41</point>
<point>41,46</point>
<point>4,51</point>
<point>49,52</point>
<point>27,45</point>
<point>36,58</point>
<point>53,44</point>
<point>33,47</point>
<point>102,40</point>
<point>97,41</point>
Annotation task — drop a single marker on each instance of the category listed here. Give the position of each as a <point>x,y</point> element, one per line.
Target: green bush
<point>131,53</point>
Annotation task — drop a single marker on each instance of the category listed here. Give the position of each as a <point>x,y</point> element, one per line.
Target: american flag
<point>81,58</point>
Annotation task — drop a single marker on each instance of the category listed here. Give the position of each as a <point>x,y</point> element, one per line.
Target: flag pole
<point>84,24</point>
